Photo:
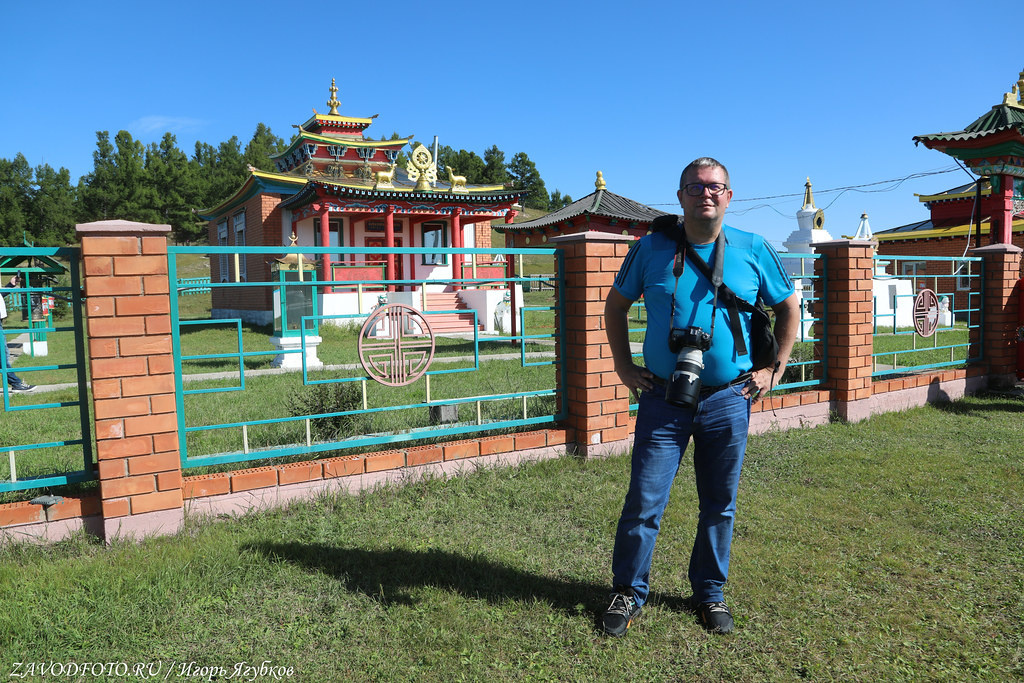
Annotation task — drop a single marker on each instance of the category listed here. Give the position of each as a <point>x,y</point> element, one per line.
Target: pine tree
<point>52,207</point>
<point>525,177</point>
<point>495,171</point>
<point>15,190</point>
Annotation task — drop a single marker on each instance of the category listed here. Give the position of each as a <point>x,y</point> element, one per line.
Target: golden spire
<point>599,183</point>
<point>333,103</point>
<point>808,196</point>
<point>1015,98</point>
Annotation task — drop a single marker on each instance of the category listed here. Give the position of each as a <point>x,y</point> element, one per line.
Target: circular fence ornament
<point>926,313</point>
<point>396,345</point>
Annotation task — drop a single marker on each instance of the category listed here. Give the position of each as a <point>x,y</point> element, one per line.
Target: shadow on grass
<point>389,576</point>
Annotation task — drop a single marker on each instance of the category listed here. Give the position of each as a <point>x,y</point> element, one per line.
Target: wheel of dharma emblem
<point>396,345</point>
<point>926,312</point>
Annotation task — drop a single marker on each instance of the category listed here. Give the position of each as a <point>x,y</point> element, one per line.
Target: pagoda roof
<point>404,189</point>
<point>601,202</point>
<point>318,120</point>
<point>258,182</point>
<point>1000,118</point>
<point>997,133</point>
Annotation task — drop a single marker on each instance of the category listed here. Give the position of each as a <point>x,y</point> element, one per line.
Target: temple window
<point>435,236</point>
<point>334,235</point>
<point>239,229</point>
<point>222,241</point>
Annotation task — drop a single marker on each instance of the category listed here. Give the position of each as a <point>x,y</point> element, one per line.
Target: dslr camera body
<point>689,345</point>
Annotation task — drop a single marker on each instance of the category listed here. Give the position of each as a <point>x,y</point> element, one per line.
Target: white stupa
<point>810,221</point>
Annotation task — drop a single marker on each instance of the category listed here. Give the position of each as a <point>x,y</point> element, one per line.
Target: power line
<point>896,182</point>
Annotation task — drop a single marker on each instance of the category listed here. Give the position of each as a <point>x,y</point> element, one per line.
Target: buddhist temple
<point>336,187</point>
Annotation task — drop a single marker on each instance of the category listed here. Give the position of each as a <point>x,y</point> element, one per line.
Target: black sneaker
<point>621,614</point>
<point>22,388</point>
<point>713,616</point>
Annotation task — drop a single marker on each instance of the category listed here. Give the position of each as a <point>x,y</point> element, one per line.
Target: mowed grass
<point>890,550</point>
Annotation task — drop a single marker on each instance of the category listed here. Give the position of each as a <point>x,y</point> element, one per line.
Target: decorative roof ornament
<point>333,103</point>
<point>1015,98</point>
<point>599,183</point>
<point>420,168</point>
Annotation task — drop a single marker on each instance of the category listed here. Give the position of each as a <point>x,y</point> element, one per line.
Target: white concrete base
<point>293,361</point>
<point>137,527</point>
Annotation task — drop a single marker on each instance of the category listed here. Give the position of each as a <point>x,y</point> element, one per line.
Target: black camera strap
<point>714,275</point>
<point>682,248</point>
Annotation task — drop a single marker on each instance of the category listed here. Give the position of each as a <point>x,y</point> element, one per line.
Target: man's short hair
<point>703,162</point>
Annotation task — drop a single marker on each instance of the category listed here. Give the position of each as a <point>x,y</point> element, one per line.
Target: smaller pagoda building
<point>335,187</point>
<point>601,211</point>
<point>992,147</point>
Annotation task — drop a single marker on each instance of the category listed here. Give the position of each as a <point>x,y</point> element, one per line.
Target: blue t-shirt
<point>752,268</point>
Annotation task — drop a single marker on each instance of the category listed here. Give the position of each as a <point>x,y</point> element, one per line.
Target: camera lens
<point>683,387</point>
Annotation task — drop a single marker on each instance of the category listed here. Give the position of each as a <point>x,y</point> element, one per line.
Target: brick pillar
<point>130,358</point>
<point>1000,313</point>
<point>598,403</point>
<point>846,270</point>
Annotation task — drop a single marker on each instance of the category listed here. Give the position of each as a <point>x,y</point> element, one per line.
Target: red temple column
<point>325,241</point>
<point>389,242</point>
<point>457,243</point>
<point>1002,212</point>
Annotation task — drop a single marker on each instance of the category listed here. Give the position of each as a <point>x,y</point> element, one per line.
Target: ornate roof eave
<point>314,189</point>
<point>257,182</point>
<point>966,139</point>
<point>332,119</point>
<point>305,136</point>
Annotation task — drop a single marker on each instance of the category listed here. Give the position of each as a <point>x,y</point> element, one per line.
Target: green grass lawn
<point>889,550</point>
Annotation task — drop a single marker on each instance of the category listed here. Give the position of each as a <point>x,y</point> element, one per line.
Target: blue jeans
<point>12,379</point>
<point>718,428</point>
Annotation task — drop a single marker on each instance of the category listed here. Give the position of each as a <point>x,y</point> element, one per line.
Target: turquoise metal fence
<point>807,366</point>
<point>193,285</point>
<point>46,435</point>
<point>237,400</point>
<point>903,309</point>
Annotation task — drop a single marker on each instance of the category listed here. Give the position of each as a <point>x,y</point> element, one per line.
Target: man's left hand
<point>760,383</point>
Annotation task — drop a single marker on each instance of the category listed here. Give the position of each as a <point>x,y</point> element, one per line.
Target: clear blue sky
<point>834,91</point>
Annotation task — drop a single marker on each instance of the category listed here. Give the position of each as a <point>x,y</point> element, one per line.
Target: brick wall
<point>142,490</point>
<point>132,370</point>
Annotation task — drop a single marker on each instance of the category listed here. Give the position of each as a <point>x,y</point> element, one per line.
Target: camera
<point>689,345</point>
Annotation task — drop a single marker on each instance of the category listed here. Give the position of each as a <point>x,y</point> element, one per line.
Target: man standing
<point>15,383</point>
<point>679,296</point>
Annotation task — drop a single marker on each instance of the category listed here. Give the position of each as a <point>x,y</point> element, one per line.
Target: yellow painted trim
<point>351,143</point>
<point>952,231</point>
<point>940,197</point>
<point>283,177</point>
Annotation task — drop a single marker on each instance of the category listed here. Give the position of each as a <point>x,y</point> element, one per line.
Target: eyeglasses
<point>697,189</point>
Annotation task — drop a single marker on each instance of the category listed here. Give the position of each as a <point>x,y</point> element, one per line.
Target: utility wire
<point>895,182</point>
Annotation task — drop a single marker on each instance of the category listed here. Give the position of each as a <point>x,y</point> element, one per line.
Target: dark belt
<point>704,391</point>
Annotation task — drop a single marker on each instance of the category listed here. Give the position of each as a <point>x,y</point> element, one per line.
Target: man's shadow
<point>390,576</point>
